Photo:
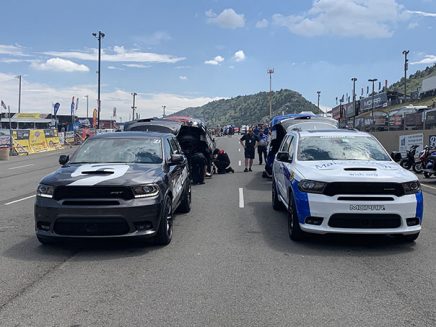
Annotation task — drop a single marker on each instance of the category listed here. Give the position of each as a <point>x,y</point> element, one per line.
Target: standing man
<point>249,146</point>
<point>262,145</point>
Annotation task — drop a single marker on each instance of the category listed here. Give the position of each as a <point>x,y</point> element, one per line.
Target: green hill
<point>414,81</point>
<point>249,109</point>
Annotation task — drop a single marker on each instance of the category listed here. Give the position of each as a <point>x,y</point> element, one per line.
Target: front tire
<point>165,230</point>
<point>294,230</point>
<point>405,164</point>
<point>44,240</point>
<point>417,167</point>
<point>409,238</point>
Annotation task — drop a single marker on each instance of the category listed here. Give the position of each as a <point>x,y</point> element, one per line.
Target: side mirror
<point>63,159</point>
<point>396,156</point>
<point>177,159</point>
<point>283,157</point>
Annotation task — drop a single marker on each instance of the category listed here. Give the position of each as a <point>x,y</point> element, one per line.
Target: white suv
<point>344,181</point>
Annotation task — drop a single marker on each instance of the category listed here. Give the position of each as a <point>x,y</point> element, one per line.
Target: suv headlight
<point>45,191</point>
<point>146,191</point>
<point>310,186</point>
<point>411,187</point>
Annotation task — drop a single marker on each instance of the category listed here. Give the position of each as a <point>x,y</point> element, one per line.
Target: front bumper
<point>360,216</point>
<point>97,218</point>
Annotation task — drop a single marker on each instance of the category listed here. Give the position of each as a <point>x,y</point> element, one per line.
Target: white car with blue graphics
<point>344,181</point>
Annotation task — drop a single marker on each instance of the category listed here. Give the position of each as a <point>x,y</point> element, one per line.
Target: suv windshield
<point>341,147</point>
<point>120,150</point>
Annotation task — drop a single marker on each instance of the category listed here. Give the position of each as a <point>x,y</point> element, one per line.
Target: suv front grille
<point>358,188</point>
<point>345,220</point>
<point>93,192</point>
<point>91,226</point>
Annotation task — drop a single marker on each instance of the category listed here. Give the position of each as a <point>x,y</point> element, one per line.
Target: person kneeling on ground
<point>221,161</point>
<point>198,164</point>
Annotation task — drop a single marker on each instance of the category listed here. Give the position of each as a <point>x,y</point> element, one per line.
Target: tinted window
<point>120,150</point>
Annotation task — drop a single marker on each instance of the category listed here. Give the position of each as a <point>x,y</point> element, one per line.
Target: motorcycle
<point>430,166</point>
<point>409,161</point>
<point>422,162</point>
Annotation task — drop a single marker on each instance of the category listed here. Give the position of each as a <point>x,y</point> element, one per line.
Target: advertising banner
<point>406,141</point>
<point>432,141</point>
<point>37,140</point>
<point>21,140</point>
<point>380,100</point>
<point>69,137</point>
<point>5,139</point>
<point>52,139</point>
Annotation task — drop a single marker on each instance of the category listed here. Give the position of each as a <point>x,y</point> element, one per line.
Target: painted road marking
<point>239,163</point>
<point>434,188</point>
<point>27,197</point>
<point>241,197</point>
<point>21,166</point>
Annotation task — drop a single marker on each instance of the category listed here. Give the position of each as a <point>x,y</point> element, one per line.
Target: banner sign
<point>56,108</point>
<point>69,137</point>
<point>380,100</point>
<point>94,118</point>
<point>27,115</point>
<point>5,139</point>
<point>406,141</point>
<point>432,141</point>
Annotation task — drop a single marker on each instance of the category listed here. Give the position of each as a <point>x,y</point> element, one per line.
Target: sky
<point>180,54</point>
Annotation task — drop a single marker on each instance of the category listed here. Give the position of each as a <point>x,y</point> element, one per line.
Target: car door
<point>288,172</point>
<point>177,169</point>
<point>279,167</point>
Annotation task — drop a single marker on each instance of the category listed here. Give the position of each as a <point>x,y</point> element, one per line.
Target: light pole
<point>373,80</point>
<point>87,105</point>
<point>163,107</point>
<point>406,66</point>
<point>19,93</point>
<point>270,72</point>
<point>319,94</point>
<point>99,36</point>
<point>133,106</point>
<point>354,79</point>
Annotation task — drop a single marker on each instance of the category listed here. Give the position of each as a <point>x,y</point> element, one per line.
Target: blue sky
<point>187,53</point>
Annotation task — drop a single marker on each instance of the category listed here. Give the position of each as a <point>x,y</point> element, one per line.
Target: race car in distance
<point>344,181</point>
<point>125,184</point>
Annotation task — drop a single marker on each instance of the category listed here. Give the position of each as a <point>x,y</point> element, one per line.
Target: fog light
<point>314,220</point>
<point>42,225</point>
<point>143,225</point>
<point>412,221</point>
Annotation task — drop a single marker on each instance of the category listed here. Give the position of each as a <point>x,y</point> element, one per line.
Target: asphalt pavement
<point>230,263</point>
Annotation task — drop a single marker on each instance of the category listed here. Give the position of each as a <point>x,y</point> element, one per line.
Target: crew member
<point>221,161</point>
<point>249,146</point>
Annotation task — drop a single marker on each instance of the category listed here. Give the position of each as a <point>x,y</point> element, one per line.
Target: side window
<point>179,149</point>
<point>286,142</point>
<point>173,145</point>
<point>167,148</point>
<point>292,147</point>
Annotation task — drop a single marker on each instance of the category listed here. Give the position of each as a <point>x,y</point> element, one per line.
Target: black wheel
<point>185,204</point>
<point>417,168</point>
<point>294,230</point>
<point>409,238</point>
<point>276,204</point>
<point>165,230</point>
<point>45,240</point>
<point>405,164</point>
<point>427,175</point>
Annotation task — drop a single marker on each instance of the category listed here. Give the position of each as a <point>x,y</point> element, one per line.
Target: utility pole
<point>133,106</point>
<point>87,106</point>
<point>270,72</point>
<point>19,93</point>
<point>319,94</point>
<point>406,66</point>
<point>99,36</point>
<point>373,80</point>
<point>163,107</point>
<point>354,79</point>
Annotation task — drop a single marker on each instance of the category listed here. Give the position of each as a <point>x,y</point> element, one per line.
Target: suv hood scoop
<point>97,172</point>
<point>360,169</point>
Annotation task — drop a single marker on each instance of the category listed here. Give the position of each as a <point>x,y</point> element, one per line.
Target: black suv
<point>124,184</point>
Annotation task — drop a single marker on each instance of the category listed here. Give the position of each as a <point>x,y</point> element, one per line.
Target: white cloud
<point>136,66</point>
<point>239,56</point>
<point>346,18</point>
<point>263,23</point>
<point>228,18</point>
<point>118,54</point>
<point>114,68</point>
<point>422,13</point>
<point>156,38</point>
<point>183,78</point>
<point>38,97</point>
<point>215,61</point>
<point>13,50</point>
<point>59,65</point>
<point>412,25</point>
<point>428,60</point>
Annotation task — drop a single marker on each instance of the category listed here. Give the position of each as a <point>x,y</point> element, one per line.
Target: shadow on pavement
<point>31,250</point>
<point>273,226</point>
<point>258,183</point>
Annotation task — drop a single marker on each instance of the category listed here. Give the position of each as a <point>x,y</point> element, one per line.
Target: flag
<point>72,106</point>
<point>77,104</point>
<point>3,105</point>
<point>362,91</point>
<point>94,118</point>
<point>342,99</point>
<point>367,89</point>
<point>379,86</point>
<point>56,108</point>
<point>115,112</point>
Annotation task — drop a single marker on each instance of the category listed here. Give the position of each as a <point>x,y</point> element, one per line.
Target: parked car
<point>344,181</point>
<point>125,184</point>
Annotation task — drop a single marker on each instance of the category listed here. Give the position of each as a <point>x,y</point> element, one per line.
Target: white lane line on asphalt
<point>239,163</point>
<point>434,188</point>
<point>27,197</point>
<point>241,197</point>
<point>21,166</point>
